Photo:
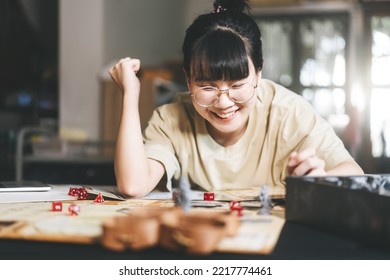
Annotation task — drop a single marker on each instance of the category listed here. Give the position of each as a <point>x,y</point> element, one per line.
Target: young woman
<point>233,130</point>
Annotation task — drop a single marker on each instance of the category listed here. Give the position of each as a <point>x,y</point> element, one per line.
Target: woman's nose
<point>224,99</point>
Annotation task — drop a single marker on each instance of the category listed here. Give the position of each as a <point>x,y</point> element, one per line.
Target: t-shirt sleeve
<point>304,128</point>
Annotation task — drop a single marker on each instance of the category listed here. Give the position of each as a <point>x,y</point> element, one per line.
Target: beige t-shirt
<point>280,123</point>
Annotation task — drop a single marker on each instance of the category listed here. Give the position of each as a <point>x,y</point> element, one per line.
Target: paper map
<point>37,221</point>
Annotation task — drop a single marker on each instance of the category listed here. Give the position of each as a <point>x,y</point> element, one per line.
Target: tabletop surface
<point>296,241</point>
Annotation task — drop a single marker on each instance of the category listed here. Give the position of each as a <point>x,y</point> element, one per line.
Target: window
<point>338,60</point>
<point>380,85</point>
<point>376,56</point>
<point>307,54</point>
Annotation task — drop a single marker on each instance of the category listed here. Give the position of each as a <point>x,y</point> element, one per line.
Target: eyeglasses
<point>209,96</point>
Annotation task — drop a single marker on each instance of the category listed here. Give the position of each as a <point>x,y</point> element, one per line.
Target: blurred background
<point>59,110</point>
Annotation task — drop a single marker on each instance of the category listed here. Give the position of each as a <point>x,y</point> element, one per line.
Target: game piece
<point>99,198</point>
<point>73,209</point>
<point>82,194</point>
<point>73,191</point>
<point>208,196</point>
<point>56,206</point>
<point>184,193</point>
<point>175,196</point>
<point>236,206</point>
<point>266,203</point>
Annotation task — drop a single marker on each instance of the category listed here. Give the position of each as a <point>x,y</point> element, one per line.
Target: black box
<point>354,206</point>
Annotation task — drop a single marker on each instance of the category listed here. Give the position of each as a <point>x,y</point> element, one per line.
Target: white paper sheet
<point>57,193</point>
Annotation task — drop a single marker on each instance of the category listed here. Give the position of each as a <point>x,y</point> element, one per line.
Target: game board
<point>37,221</point>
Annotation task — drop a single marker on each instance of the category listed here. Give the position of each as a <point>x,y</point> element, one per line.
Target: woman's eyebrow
<point>214,83</point>
<point>205,83</point>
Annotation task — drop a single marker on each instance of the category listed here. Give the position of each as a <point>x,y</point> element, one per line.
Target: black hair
<point>217,45</point>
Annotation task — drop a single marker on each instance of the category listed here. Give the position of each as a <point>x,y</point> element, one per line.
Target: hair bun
<point>230,5</point>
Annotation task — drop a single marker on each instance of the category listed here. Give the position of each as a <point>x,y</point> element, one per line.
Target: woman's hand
<point>305,162</point>
<point>124,74</point>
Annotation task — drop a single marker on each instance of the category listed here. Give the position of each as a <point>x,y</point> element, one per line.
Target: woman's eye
<point>236,86</point>
<point>208,89</point>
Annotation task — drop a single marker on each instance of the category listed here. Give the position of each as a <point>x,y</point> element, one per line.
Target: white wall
<point>81,58</point>
<point>194,8</point>
<point>149,30</point>
<point>93,33</point>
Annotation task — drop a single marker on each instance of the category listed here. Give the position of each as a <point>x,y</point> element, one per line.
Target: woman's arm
<point>346,168</point>
<point>307,162</point>
<point>136,175</point>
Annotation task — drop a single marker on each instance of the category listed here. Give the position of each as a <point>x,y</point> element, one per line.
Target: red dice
<point>56,206</point>
<point>73,209</point>
<point>73,191</point>
<point>208,196</point>
<point>236,206</point>
<point>99,198</point>
<point>83,194</point>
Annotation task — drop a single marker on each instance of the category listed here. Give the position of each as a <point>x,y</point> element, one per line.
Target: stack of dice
<point>81,193</point>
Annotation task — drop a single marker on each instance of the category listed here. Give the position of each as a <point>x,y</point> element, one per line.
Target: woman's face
<point>226,119</point>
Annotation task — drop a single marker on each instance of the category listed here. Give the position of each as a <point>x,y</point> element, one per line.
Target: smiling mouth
<point>226,116</point>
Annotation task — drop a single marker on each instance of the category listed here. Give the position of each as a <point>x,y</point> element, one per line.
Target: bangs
<point>219,55</point>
